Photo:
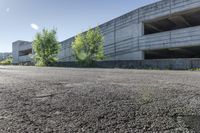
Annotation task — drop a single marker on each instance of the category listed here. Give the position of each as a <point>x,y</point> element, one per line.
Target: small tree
<point>88,47</point>
<point>46,47</point>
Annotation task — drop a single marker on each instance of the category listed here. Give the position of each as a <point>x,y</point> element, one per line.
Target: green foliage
<point>46,47</point>
<point>88,47</point>
<point>195,69</point>
<point>7,61</point>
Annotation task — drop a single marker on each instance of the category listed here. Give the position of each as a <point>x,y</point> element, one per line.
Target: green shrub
<point>7,61</point>
<point>88,47</point>
<point>195,69</point>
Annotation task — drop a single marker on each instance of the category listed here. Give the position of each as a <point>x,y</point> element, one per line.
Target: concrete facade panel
<point>138,55</point>
<point>127,32</point>
<point>109,38</point>
<point>154,41</point>
<point>185,37</point>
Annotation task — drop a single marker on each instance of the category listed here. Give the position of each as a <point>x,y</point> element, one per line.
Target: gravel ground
<point>64,100</point>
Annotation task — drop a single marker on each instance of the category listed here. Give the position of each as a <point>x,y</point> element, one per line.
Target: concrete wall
<point>124,36</point>
<point>66,52</point>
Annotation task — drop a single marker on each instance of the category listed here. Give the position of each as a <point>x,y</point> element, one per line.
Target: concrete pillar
<point>140,29</point>
<point>15,52</point>
<point>139,55</point>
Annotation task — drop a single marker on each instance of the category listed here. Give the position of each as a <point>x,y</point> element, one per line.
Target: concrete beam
<point>154,27</point>
<point>184,51</point>
<point>185,21</point>
<point>179,21</point>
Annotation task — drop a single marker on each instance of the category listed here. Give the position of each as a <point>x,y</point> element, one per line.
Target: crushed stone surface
<point>68,100</point>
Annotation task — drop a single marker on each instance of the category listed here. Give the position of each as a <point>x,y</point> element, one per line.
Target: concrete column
<point>15,52</point>
<point>140,29</point>
<point>139,55</point>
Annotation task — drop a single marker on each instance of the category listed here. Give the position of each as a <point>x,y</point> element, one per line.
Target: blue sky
<point>21,19</point>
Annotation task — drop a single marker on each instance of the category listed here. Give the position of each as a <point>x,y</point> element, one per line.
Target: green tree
<point>46,47</point>
<point>88,47</point>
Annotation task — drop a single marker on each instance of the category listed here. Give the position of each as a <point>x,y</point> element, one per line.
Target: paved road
<point>98,100</point>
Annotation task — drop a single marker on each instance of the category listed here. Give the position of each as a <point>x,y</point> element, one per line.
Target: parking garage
<point>181,20</point>
<point>162,30</point>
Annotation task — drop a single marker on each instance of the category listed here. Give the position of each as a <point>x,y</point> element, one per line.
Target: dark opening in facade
<point>173,22</point>
<point>172,53</point>
<point>25,52</point>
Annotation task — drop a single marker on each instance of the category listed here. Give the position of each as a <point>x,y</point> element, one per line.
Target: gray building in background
<point>4,55</point>
<point>22,51</point>
<point>162,30</point>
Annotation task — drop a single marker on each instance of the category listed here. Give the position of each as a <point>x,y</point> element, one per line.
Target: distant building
<point>4,55</point>
<point>163,30</point>
<point>22,51</point>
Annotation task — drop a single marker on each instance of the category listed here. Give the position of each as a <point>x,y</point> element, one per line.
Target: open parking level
<point>98,100</point>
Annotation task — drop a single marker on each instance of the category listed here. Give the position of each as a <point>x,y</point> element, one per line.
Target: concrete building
<point>21,51</point>
<point>163,30</point>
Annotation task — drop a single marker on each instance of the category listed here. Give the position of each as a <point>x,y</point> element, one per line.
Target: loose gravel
<point>67,100</point>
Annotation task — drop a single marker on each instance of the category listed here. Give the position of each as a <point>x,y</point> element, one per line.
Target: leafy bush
<point>7,61</point>
<point>195,69</point>
<point>88,47</point>
<point>46,47</point>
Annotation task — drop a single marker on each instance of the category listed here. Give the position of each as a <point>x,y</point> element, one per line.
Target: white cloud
<point>7,9</point>
<point>34,26</point>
